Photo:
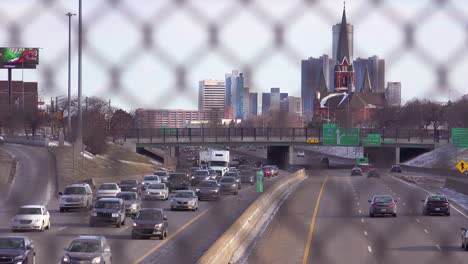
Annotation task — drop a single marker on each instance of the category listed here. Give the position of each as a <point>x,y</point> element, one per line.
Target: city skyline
<point>154,81</point>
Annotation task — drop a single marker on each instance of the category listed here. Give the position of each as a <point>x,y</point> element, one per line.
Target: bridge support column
<point>397,155</point>
<point>291,155</point>
<point>175,155</point>
<point>278,155</point>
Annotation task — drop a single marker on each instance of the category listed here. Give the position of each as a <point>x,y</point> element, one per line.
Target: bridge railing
<point>161,135</point>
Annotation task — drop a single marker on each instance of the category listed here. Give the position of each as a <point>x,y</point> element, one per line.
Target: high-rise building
<point>246,103</point>
<point>228,84</point>
<point>266,102</point>
<point>253,104</point>
<point>211,95</point>
<point>275,99</point>
<point>393,93</point>
<point>376,69</point>
<point>295,105</point>
<point>344,69</point>
<point>174,118</point>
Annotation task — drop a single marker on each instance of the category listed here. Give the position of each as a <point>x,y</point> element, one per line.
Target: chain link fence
<point>155,51</point>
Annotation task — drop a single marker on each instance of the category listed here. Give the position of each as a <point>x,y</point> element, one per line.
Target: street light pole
<point>69,14</point>
<point>80,117</point>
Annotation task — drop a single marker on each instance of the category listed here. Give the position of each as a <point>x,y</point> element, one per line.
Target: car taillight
<point>392,204</point>
<point>445,204</point>
<point>374,204</point>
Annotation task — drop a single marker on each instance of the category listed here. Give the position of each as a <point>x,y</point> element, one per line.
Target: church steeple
<point>343,41</point>
<point>366,86</point>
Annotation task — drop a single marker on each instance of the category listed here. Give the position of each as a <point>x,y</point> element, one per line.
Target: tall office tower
<point>393,93</point>
<point>211,95</point>
<point>376,69</point>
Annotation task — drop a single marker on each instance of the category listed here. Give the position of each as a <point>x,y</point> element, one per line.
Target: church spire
<point>343,41</point>
<point>366,86</point>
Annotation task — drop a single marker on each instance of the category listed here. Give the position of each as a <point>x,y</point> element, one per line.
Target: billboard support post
<point>10,93</point>
<point>69,14</point>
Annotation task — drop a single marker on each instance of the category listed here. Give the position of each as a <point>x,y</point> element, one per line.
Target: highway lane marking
<point>360,212</point>
<point>425,231</point>
<point>170,237</point>
<point>438,247</point>
<point>312,224</point>
<point>417,220</point>
<point>123,229</point>
<point>422,189</point>
<point>365,233</point>
<point>404,203</point>
<point>358,204</point>
<point>369,249</point>
<point>362,220</point>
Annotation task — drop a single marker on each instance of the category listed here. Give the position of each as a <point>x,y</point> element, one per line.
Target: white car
<point>157,191</point>
<point>301,153</point>
<point>185,199</point>
<point>31,217</point>
<point>108,190</point>
<point>150,179</point>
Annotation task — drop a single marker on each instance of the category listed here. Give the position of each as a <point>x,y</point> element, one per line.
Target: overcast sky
<point>114,37</point>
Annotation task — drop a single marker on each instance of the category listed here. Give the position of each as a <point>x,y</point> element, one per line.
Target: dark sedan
<point>16,249</point>
<point>248,175</point>
<point>208,190</point>
<point>129,186</point>
<point>150,222</point>
<point>436,204</point>
<point>235,175</point>
<point>382,205</point>
<point>396,168</point>
<point>356,171</point>
<point>228,185</point>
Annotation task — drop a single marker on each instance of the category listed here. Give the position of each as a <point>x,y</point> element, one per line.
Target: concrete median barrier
<point>243,229</point>
<point>459,185</point>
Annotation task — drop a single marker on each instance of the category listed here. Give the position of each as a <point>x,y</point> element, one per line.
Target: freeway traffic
<point>191,232</point>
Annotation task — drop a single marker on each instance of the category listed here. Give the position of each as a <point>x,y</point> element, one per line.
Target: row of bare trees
<point>423,114</point>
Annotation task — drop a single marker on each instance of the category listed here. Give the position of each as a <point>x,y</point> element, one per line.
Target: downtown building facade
<point>211,95</point>
<point>393,93</point>
<point>173,118</point>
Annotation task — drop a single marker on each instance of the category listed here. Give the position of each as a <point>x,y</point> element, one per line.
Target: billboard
<point>19,57</point>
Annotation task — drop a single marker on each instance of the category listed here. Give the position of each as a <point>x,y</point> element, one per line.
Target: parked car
<point>228,185</point>
<point>178,181</point>
<point>150,179</point>
<point>31,217</point>
<point>356,171</point>
<point>157,191</point>
<point>382,205</point>
<point>396,168</point>
<point>76,196</point>
<point>150,222</point>
<point>184,199</point>
<point>373,173</point>
<point>208,190</point>
<point>110,211</point>
<point>17,249</point>
<point>88,249</point>
<point>107,190</point>
<point>300,153</point>
<point>163,175</point>
<point>436,204</point>
<point>324,162</point>
<point>129,186</point>
<point>131,201</point>
<point>198,176</point>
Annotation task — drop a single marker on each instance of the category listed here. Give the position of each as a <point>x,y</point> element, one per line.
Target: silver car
<point>184,199</point>
<point>88,249</point>
<point>382,205</point>
<point>131,201</point>
<point>108,190</point>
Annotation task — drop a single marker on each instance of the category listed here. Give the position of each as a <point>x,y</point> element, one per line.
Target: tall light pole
<point>80,117</point>
<point>69,75</point>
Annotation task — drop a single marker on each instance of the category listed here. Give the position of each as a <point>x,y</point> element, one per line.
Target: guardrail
<point>236,134</point>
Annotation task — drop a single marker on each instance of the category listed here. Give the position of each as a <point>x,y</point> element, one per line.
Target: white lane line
<point>369,249</point>
<point>404,203</point>
<point>123,229</point>
<point>61,228</point>
<point>425,231</point>
<point>422,189</point>
<point>365,233</point>
<point>394,194</point>
<point>362,220</point>
<point>438,247</point>
<point>417,220</point>
<point>357,204</point>
<point>360,212</point>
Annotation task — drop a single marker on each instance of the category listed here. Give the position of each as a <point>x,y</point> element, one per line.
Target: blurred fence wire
<point>140,23</point>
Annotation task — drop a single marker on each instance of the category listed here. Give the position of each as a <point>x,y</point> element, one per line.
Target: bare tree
<point>120,122</point>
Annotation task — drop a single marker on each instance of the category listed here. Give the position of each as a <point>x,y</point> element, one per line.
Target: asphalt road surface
<point>326,220</point>
<point>190,233</point>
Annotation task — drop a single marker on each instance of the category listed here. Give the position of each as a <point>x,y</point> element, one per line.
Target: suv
<point>178,181</point>
<point>76,196</point>
<point>16,249</point>
<point>108,211</point>
<point>324,162</point>
<point>88,249</point>
<point>108,190</point>
<point>150,222</point>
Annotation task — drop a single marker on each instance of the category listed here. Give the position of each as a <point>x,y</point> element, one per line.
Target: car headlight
<point>133,206</point>
<point>65,259</point>
<point>234,185</point>
<point>135,224</point>
<point>96,260</point>
<point>191,202</point>
<point>192,177</point>
<point>197,190</point>
<point>215,190</point>
<point>20,257</point>
<point>37,220</point>
<point>115,215</point>
<point>158,225</point>
<point>93,214</point>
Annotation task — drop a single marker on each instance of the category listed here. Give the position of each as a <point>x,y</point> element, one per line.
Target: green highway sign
<point>372,140</point>
<point>335,136</point>
<point>460,137</point>
<point>363,160</point>
<point>259,181</point>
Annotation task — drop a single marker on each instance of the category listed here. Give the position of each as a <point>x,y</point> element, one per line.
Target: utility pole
<point>69,14</point>
<point>80,42</point>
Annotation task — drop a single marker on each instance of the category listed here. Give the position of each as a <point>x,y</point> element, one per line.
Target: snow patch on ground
<point>458,198</point>
<point>442,157</point>
<point>87,155</point>
<point>55,143</point>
